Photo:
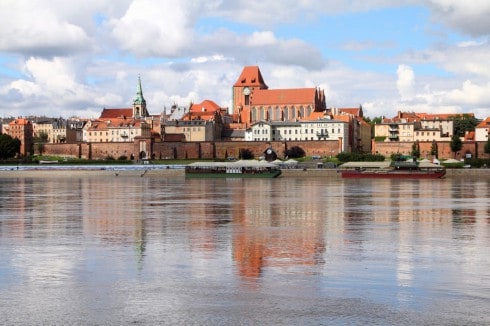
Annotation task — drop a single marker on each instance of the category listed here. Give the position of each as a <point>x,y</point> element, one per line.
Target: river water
<point>107,250</point>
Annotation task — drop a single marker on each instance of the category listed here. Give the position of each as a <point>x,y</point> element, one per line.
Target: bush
<point>358,157</point>
<point>246,154</point>
<point>122,158</point>
<point>477,162</point>
<point>295,152</point>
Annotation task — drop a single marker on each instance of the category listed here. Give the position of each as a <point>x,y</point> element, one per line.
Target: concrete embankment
<point>308,173</point>
<point>450,173</point>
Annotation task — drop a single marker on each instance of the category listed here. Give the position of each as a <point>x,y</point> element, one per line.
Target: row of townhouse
<point>422,127</point>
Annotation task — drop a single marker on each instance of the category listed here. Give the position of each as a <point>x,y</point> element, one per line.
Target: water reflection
<point>405,245</point>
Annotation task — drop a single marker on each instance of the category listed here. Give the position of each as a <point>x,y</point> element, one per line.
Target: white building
<point>322,129</point>
<point>482,130</point>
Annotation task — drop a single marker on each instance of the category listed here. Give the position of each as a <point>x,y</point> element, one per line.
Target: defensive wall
<point>222,150</point>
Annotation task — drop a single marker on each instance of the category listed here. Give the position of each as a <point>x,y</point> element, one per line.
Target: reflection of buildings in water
<point>38,205</point>
<point>462,194</point>
<point>208,208</point>
<point>109,214</point>
<point>276,227</point>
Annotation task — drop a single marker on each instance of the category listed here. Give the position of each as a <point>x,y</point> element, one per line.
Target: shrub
<point>246,154</point>
<point>357,157</point>
<point>295,152</point>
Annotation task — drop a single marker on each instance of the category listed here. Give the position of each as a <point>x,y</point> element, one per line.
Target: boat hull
<point>392,174</point>
<point>213,175</point>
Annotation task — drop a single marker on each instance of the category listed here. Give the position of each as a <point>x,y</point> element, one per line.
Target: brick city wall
<point>443,149</point>
<point>210,150</point>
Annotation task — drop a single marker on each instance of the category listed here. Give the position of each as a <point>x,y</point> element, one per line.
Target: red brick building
<point>253,101</point>
<point>22,130</point>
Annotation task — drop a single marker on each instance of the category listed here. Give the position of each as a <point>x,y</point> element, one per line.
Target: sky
<point>65,58</point>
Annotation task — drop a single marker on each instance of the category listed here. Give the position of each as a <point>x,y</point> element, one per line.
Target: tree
<point>246,154</point>
<point>433,149</point>
<point>374,121</point>
<point>42,137</point>
<point>9,146</point>
<point>295,152</point>
<point>415,150</point>
<point>463,123</point>
<point>456,144</point>
<point>486,149</point>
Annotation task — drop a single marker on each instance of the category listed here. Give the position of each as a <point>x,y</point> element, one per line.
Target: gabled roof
<point>104,124</point>
<point>204,106</point>
<point>116,113</point>
<point>284,96</point>
<point>20,121</point>
<point>251,76</point>
<point>484,124</point>
<point>354,111</point>
<point>316,115</point>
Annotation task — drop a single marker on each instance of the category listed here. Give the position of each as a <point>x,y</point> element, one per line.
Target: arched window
<point>261,114</point>
<point>301,112</point>
<point>254,114</point>
<point>293,113</point>
<point>308,111</point>
<point>269,113</point>
<point>285,113</point>
<point>277,114</point>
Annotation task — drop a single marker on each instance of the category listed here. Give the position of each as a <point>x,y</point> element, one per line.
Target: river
<point>131,249</point>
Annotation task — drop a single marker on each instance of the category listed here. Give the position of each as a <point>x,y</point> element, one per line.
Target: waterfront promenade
<point>152,172</point>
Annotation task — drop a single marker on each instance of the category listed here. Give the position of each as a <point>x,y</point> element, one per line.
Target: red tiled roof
<point>19,121</point>
<point>289,96</point>
<point>251,76</point>
<point>354,111</point>
<point>114,123</point>
<point>204,106</point>
<point>484,124</point>
<point>116,113</point>
<point>315,115</point>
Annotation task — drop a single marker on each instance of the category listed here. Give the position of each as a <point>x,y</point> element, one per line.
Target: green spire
<point>139,99</point>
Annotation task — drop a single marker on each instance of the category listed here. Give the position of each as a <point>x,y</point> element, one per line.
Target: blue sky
<point>67,58</point>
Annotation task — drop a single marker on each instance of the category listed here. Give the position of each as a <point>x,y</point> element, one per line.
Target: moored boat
<point>238,169</point>
<point>393,170</point>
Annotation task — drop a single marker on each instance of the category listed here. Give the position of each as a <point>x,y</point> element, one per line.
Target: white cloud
<point>470,17</point>
<point>163,29</point>
<point>405,82</point>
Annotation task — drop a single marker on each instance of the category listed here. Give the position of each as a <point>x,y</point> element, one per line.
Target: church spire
<point>139,99</point>
<point>139,102</point>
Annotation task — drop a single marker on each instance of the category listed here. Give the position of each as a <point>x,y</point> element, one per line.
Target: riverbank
<point>158,172</point>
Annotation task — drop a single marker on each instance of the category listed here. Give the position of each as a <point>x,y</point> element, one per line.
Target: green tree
<point>486,149</point>
<point>456,144</point>
<point>372,122</point>
<point>246,154</point>
<point>415,150</point>
<point>295,152</point>
<point>433,149</point>
<point>42,137</point>
<point>9,146</point>
<point>463,123</point>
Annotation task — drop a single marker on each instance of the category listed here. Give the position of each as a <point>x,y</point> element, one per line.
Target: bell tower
<point>139,102</point>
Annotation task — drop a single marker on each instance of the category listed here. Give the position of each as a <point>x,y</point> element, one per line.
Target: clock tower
<point>250,80</point>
